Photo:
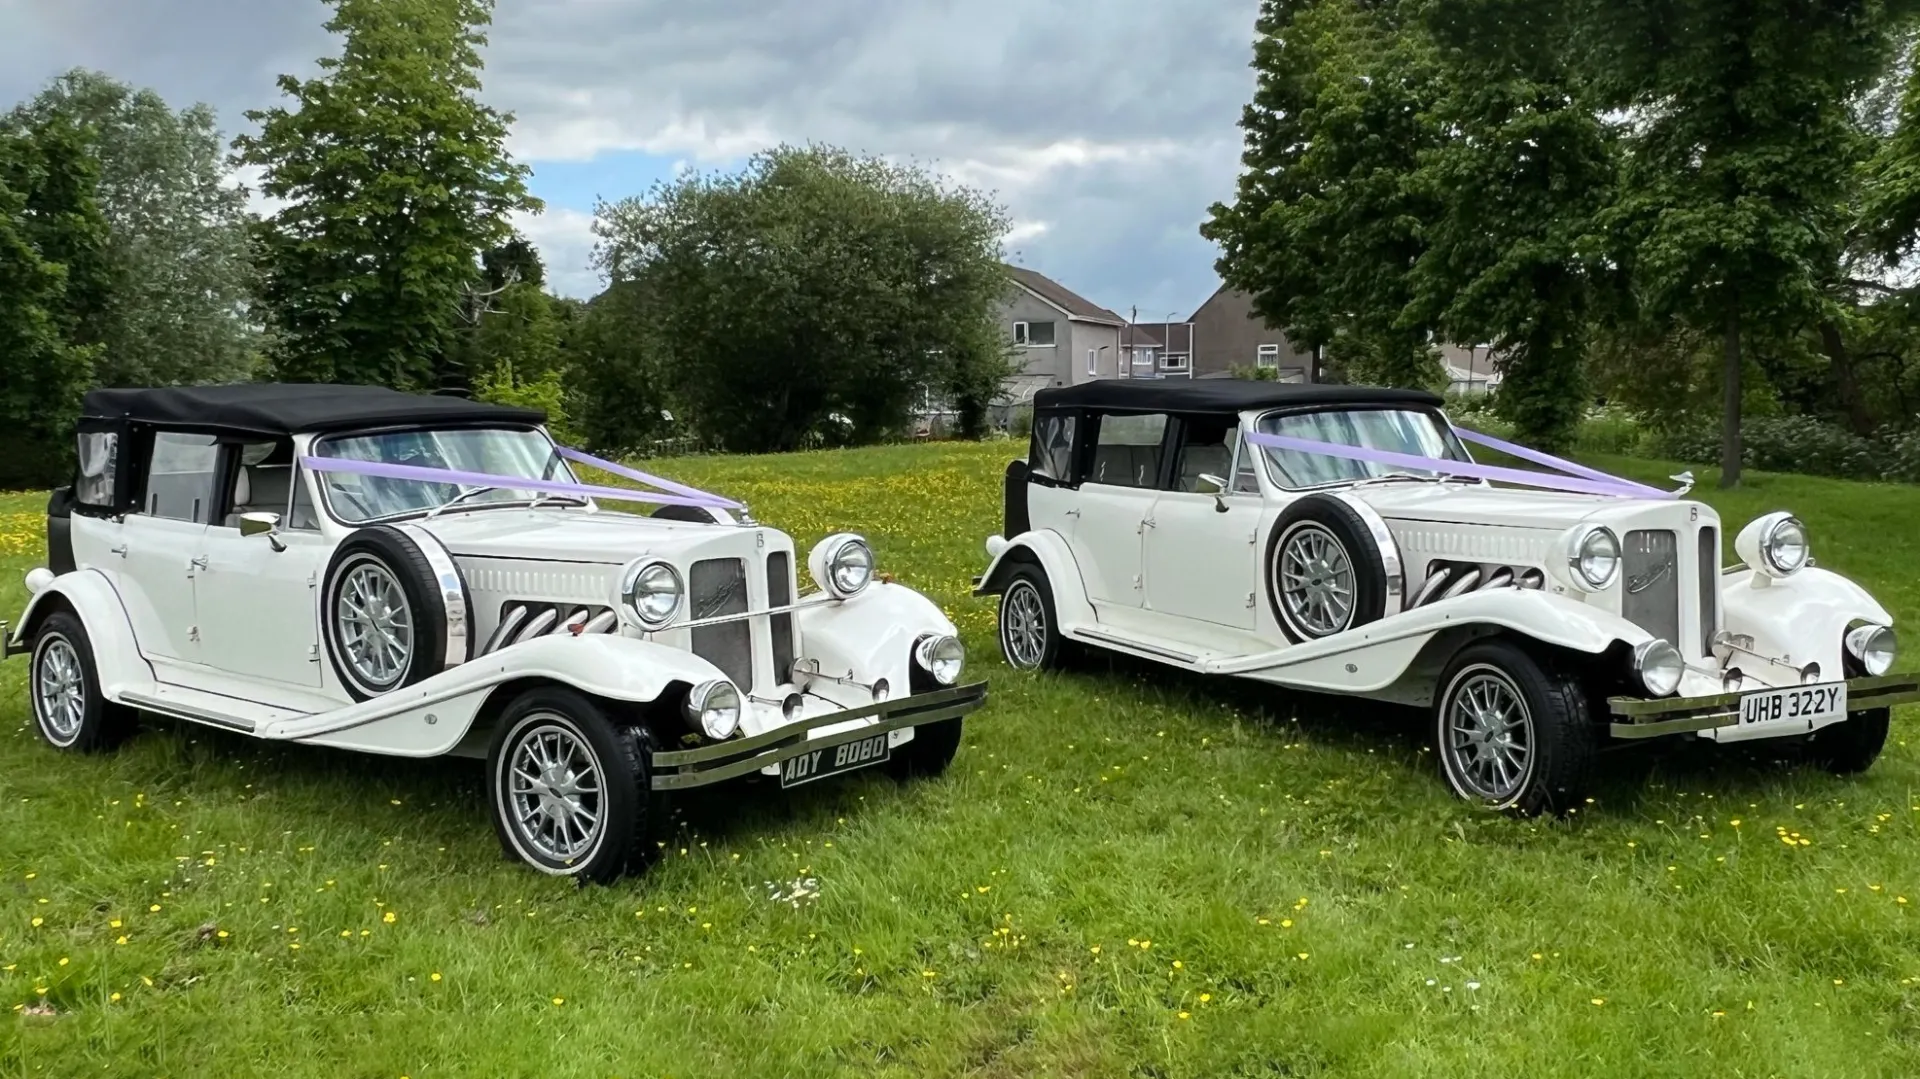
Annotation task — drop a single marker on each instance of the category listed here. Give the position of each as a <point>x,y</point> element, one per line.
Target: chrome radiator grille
<point>1650,583</point>
<point>779,594</point>
<point>1708,568</point>
<point>718,586</point>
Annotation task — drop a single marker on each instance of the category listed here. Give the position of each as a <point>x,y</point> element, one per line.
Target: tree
<point>813,284</point>
<point>1739,150</point>
<point>176,276</point>
<point>395,179</point>
<point>46,214</point>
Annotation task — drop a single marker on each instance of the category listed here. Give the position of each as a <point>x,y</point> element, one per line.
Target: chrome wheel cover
<point>1023,626</point>
<point>59,690</point>
<point>552,791</point>
<point>1486,734</point>
<point>1315,579</point>
<point>373,624</point>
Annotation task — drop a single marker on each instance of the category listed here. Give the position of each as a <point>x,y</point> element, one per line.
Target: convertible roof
<point>279,408</point>
<point>1219,395</point>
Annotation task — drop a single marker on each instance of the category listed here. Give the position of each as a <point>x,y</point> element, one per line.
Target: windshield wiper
<point>456,500</point>
<point>1389,476</point>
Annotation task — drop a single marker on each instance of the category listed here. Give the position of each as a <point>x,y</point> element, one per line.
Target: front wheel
<point>570,790</point>
<point>68,708</point>
<point>1513,733</point>
<point>929,753</point>
<point>1029,625</point>
<point>1850,747</point>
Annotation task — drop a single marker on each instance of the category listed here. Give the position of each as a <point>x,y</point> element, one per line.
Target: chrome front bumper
<point>680,769</point>
<point>1635,717</point>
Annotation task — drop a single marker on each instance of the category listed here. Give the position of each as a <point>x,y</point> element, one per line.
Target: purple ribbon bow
<point>682,496</point>
<point>1579,479</point>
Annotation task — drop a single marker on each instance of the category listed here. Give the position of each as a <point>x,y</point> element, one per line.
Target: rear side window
<point>99,465</point>
<point>1126,452</point>
<point>181,481</point>
<point>1051,454</point>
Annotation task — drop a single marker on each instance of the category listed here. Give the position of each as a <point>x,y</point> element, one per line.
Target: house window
<point>1033,334</point>
<point>1173,362</point>
<point>1268,356</point>
<point>1093,361</point>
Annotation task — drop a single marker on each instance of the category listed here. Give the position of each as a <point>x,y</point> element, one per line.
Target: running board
<point>1146,647</point>
<point>211,709</point>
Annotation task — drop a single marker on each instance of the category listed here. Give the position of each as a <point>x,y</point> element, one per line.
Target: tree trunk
<point>1730,408</point>
<point>1846,384</point>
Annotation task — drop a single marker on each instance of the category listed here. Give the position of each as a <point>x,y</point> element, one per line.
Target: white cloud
<point>565,239</point>
<point>1023,231</point>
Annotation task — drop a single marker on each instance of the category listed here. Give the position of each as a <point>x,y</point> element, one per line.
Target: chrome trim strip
<point>187,712</point>
<point>453,591</point>
<point>818,599</point>
<point>509,623</point>
<point>561,625</point>
<point>538,625</point>
<point>601,622</point>
<point>1638,718</point>
<point>1390,558</point>
<point>1119,642</point>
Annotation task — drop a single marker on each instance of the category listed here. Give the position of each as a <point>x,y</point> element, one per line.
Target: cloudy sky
<point>1106,128</point>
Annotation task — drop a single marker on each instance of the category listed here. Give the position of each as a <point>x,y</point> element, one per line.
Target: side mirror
<point>1215,486</point>
<point>261,523</point>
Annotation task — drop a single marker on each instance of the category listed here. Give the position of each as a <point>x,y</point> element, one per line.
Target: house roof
<point>1140,335</point>
<point>293,408</point>
<point>1076,306</point>
<point>1220,395</point>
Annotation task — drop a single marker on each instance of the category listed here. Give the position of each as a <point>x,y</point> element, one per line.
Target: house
<point>1225,334</point>
<point>1159,349</point>
<point>1062,336</point>
<point>1470,369</point>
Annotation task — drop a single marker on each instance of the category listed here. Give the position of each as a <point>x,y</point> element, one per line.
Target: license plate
<point>833,760</point>
<point>1802,704</point>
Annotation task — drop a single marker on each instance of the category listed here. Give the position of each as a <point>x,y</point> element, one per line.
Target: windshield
<point>1423,434</point>
<point>359,499</point>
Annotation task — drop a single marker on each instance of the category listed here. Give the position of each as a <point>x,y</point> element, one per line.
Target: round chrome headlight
<point>942,657</point>
<point>715,706</point>
<point>1875,648</point>
<point>1594,557</point>
<point>1659,666</point>
<point>841,565</point>
<point>1775,545</point>
<point>652,591</point>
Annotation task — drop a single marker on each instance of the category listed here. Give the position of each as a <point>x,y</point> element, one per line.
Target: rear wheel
<point>1513,733</point>
<point>64,689</point>
<point>1029,627</point>
<point>570,790</point>
<point>1851,747</point>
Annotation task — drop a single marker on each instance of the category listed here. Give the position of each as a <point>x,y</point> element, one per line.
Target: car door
<point>1201,561</point>
<point>1114,501</point>
<point>256,595</point>
<point>161,545</point>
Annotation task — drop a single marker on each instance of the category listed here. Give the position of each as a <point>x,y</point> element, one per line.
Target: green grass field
<point>1129,872</point>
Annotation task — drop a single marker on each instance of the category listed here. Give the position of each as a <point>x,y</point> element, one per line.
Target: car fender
<point>116,655</point>
<point>1051,550</point>
<point>1796,620</point>
<point>870,636</point>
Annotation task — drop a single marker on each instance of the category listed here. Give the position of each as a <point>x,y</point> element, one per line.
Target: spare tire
<point>393,610</point>
<point>1324,571</point>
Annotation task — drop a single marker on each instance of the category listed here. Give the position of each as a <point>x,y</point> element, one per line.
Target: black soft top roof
<point>1220,395</point>
<point>276,408</point>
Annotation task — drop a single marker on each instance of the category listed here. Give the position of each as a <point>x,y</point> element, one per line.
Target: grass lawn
<point>1128,872</point>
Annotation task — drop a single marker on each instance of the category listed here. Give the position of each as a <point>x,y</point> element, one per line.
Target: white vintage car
<point>1341,539</point>
<point>356,567</point>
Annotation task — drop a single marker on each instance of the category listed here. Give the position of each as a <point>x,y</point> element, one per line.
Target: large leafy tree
<point>394,179</point>
<point>813,284</point>
<point>176,276</point>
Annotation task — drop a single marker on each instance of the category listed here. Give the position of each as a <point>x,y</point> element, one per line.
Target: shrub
<point>1608,429</point>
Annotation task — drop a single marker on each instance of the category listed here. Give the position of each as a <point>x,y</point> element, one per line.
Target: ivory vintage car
<point>371,570</point>
<point>1342,539</point>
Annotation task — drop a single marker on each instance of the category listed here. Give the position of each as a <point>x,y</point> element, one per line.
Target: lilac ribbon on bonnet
<point>1580,480</point>
<point>684,496</point>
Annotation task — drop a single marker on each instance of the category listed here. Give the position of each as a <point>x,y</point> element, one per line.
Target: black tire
<point>1852,745</point>
<point>931,751</point>
<point>1325,518</point>
<point>63,690</point>
<point>624,807</point>
<point>1554,724</point>
<point>430,623</point>
<point>1029,628</point>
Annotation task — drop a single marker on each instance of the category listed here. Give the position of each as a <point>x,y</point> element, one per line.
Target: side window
<point>1126,452</point>
<point>99,464</point>
<point>181,480</point>
<point>301,514</point>
<point>262,481</point>
<point>1245,481</point>
<point>1051,454</point>
<point>1206,449</point>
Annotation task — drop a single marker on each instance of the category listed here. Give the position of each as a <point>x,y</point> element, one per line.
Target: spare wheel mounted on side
<point>1329,568</point>
<point>393,610</point>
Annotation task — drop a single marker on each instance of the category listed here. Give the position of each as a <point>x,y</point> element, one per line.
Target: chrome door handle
<point>1073,513</point>
<point>120,550</point>
<point>198,561</point>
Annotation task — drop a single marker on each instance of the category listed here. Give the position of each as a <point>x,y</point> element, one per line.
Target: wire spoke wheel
<point>554,791</point>
<point>374,625</point>
<point>1023,625</point>
<point>59,690</point>
<point>1316,580</point>
<point>1487,734</point>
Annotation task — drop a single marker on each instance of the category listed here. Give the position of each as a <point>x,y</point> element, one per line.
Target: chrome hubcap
<point>1023,626</point>
<point>1488,734</point>
<point>375,625</point>
<point>553,792</point>
<point>1316,581</point>
<point>59,690</point>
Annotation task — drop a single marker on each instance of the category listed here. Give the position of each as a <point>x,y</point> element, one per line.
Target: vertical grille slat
<point>1650,576</point>
<point>1708,567</point>
<point>718,586</point>
<point>779,594</point>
